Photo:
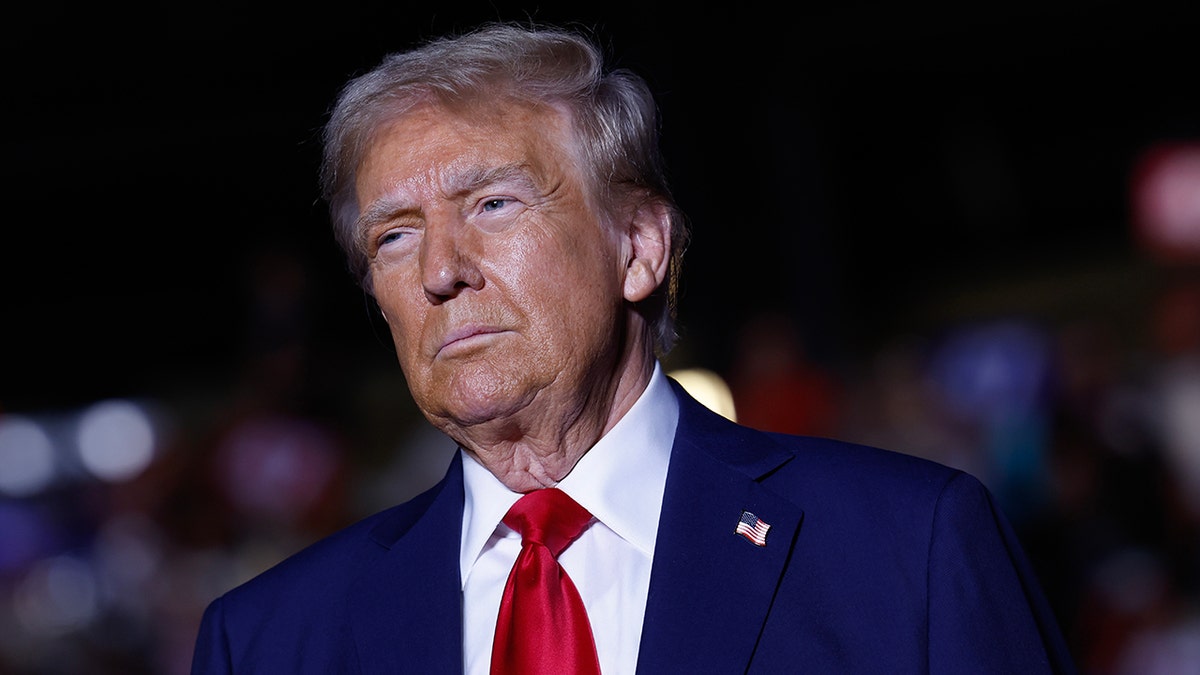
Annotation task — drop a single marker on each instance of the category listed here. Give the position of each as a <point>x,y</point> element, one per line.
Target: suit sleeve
<point>987,611</point>
<point>211,655</point>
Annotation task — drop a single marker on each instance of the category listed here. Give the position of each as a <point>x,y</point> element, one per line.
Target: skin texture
<point>508,291</point>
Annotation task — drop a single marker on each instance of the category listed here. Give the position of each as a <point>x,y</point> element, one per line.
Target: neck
<point>540,445</point>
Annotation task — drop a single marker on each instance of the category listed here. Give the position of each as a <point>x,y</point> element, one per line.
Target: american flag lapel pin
<point>753,528</point>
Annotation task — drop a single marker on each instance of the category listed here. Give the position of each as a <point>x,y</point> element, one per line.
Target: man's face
<point>500,279</point>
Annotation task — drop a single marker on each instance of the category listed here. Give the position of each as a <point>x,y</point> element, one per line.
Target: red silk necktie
<point>543,627</point>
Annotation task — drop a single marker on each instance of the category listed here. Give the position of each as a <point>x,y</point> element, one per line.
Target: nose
<point>448,260</point>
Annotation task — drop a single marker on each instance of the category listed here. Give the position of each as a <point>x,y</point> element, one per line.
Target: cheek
<point>579,292</point>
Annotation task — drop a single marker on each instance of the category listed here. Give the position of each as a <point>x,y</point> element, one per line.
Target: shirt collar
<point>620,480</point>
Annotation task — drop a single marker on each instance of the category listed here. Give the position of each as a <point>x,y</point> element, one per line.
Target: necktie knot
<point>548,517</point>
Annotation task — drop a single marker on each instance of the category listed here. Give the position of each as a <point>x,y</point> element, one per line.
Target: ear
<point>650,250</point>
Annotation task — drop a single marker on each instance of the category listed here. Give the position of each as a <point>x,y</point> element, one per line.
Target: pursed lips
<point>464,336</point>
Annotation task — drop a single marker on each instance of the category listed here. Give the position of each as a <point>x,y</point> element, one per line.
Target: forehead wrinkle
<point>461,180</point>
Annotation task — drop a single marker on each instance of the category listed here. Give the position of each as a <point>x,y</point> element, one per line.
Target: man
<point>502,198</point>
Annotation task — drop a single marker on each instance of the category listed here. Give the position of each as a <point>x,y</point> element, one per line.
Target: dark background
<point>882,175</point>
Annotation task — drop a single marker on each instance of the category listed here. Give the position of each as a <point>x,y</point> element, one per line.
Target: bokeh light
<point>57,595</point>
<point>708,388</point>
<point>115,440</point>
<point>1166,200</point>
<point>27,456</point>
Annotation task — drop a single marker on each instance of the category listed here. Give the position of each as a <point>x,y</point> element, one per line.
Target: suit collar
<point>711,589</point>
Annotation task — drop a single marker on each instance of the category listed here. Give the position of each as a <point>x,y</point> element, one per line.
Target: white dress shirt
<point>620,480</point>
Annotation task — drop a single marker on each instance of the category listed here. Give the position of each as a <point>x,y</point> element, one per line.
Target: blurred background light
<point>708,388</point>
<point>278,467</point>
<point>129,555</point>
<point>57,595</point>
<point>116,440</point>
<point>993,369</point>
<point>27,457</point>
<point>1166,200</point>
<point>1179,420</point>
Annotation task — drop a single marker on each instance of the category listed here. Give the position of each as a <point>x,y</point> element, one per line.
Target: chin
<point>478,401</point>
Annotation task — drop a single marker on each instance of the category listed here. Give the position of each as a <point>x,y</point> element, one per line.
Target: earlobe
<point>650,245</point>
<point>639,281</point>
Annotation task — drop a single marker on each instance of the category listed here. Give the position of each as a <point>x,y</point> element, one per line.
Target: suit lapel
<point>710,588</point>
<point>409,616</point>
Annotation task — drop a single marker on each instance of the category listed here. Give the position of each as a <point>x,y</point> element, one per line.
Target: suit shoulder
<point>838,455</point>
<point>803,459</point>
<point>853,473</point>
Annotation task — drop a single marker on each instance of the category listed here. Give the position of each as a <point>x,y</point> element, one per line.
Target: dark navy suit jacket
<point>876,562</point>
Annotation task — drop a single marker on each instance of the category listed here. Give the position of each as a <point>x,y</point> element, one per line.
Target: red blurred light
<point>1166,201</point>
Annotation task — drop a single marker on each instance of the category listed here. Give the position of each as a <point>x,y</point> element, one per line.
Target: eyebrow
<point>382,209</point>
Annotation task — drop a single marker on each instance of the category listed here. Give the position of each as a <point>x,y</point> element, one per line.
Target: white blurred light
<point>708,388</point>
<point>26,456</point>
<point>1179,412</point>
<point>116,440</point>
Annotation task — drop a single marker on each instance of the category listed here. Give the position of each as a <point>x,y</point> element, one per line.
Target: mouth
<point>466,338</point>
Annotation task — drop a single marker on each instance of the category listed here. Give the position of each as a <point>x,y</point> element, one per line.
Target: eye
<point>393,241</point>
<point>391,236</point>
<point>497,213</point>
